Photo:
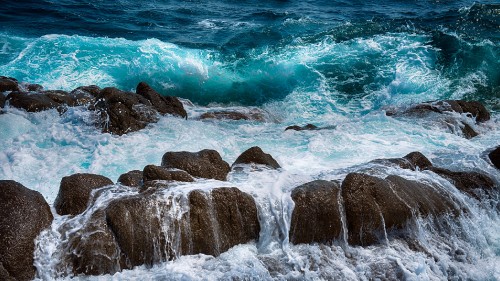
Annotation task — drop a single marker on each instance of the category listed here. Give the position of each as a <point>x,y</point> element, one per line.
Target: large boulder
<point>474,184</point>
<point>8,84</point>
<point>255,155</point>
<point>494,156</point>
<point>376,207</point>
<point>23,215</point>
<point>149,228</point>
<point>163,104</point>
<point>132,178</point>
<point>75,190</point>
<point>31,102</point>
<point>204,164</point>
<point>60,97</point>
<point>152,172</point>
<point>122,112</point>
<point>316,216</point>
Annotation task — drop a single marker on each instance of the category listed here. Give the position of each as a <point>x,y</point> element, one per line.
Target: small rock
<point>495,157</point>
<point>233,115</point>
<point>308,127</point>
<point>132,178</point>
<point>8,84</point>
<point>257,156</point>
<point>23,215</point>
<point>204,164</point>
<point>75,190</point>
<point>152,172</point>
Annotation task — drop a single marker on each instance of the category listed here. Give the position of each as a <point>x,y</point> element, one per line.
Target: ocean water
<point>336,64</point>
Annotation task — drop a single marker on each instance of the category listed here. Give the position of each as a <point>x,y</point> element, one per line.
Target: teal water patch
<point>360,74</point>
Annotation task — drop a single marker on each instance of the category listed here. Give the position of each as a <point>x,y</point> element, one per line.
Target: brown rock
<point>316,216</point>
<point>233,115</point>
<point>257,156</point>
<point>308,127</point>
<point>132,178</point>
<point>375,206</point>
<point>31,102</point>
<point>495,157</point>
<point>472,183</point>
<point>2,100</point>
<point>152,172</point>
<point>164,105</point>
<point>60,97</point>
<point>23,215</point>
<point>204,164</point>
<point>8,84</point>
<point>75,190</point>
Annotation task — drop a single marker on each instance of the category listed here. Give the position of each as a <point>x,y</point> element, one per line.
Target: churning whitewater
<point>363,138</point>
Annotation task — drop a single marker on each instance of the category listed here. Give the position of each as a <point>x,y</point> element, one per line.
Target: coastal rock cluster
<point>119,112</point>
<point>137,221</point>
<point>150,225</point>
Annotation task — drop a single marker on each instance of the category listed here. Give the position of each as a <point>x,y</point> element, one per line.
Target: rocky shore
<point>135,221</point>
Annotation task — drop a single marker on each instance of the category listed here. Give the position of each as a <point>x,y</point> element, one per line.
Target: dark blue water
<point>249,52</point>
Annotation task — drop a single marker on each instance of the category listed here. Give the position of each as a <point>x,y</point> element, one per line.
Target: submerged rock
<point>149,228</point>
<point>75,190</point>
<point>23,215</point>
<point>495,157</point>
<point>204,164</point>
<point>308,127</point>
<point>132,178</point>
<point>31,102</point>
<point>376,207</point>
<point>435,110</point>
<point>152,172</point>
<point>316,216</point>
<point>163,104</point>
<point>255,155</point>
<point>234,115</point>
<point>8,84</point>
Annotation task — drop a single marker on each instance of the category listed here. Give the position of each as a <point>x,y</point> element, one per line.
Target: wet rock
<point>8,84</point>
<point>472,183</point>
<point>316,216</point>
<point>152,172</point>
<point>33,87</point>
<point>204,164</point>
<point>31,102</point>
<point>234,115</point>
<point>475,108</point>
<point>2,100</point>
<point>308,127</point>
<point>60,97</point>
<point>92,249</point>
<point>411,161</point>
<point>132,178</point>
<point>92,90</point>
<point>75,190</point>
<point>4,274</point>
<point>495,157</point>
<point>148,231</point>
<point>163,104</point>
<point>255,155</point>
<point>23,215</point>
<point>122,112</point>
<point>375,206</point>
<point>220,220</point>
